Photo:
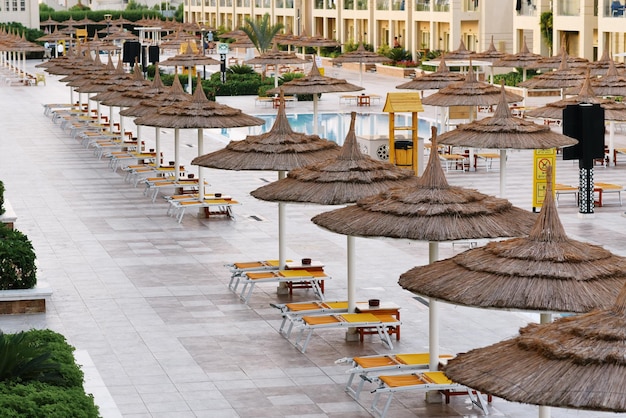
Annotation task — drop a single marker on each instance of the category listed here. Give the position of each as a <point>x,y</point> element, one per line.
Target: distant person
<point>209,36</point>
<point>60,50</point>
<point>396,44</point>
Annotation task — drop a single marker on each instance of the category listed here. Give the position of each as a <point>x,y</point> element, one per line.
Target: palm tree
<point>261,32</point>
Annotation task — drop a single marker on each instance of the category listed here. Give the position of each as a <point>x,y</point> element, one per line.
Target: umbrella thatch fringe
<point>502,130</point>
<point>339,180</point>
<point>150,105</point>
<point>315,83</point>
<point>434,222</point>
<point>523,376</point>
<point>437,80</point>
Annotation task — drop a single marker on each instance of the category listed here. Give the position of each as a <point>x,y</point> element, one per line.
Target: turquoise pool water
<point>335,126</point>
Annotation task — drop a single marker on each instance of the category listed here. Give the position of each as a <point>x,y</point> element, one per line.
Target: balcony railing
<point>471,5</point>
<point>442,6</point>
<point>568,8</point>
<point>382,5</point>
<point>397,5</point>
<point>422,5</point>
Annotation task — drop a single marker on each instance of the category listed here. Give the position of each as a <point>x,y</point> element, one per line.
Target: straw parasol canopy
<point>196,113</point>
<point>342,179</point>
<point>279,149</point>
<point>277,58</point>
<point>431,211</point>
<point>574,362</point>
<point>469,92</point>
<point>459,54</point>
<point>554,62</point>
<point>545,271</point>
<point>612,83</point>
<point>560,79</point>
<point>362,56</point>
<point>316,41</point>
<point>441,78</point>
<point>612,110</point>
<point>523,59</point>
<point>314,83</point>
<point>504,131</point>
<point>491,54</point>
<point>601,66</point>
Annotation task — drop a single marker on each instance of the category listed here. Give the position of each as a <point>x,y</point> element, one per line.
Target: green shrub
<point>23,397</point>
<point>2,209</point>
<point>17,260</point>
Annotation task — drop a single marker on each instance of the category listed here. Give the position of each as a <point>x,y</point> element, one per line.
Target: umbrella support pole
<point>433,328</point>
<point>282,288</point>
<point>544,411</point>
<point>351,333</point>
<point>315,129</point>
<point>201,191</point>
<point>176,153</point>
<point>611,143</point>
<point>157,140</point>
<point>502,173</point>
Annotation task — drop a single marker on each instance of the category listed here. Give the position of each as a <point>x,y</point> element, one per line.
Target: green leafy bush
<point>17,260</point>
<point>23,394</point>
<point>2,209</point>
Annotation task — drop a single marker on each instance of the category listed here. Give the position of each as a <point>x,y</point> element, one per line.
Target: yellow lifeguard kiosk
<point>405,152</point>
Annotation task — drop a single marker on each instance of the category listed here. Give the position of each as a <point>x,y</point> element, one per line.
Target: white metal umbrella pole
<point>177,152</point>
<point>351,273</point>
<point>611,142</point>
<point>200,168</point>
<point>502,173</point>
<point>282,258</point>
<point>157,140</point>
<point>544,411</point>
<point>315,129</point>
<point>433,314</point>
<point>111,118</point>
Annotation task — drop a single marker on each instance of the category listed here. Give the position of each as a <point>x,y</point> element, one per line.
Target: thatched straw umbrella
<point>150,100</point>
<point>469,92</point>
<point>612,83</point>
<point>361,55</point>
<point>490,55</point>
<point>459,54</point>
<point>523,59</point>
<point>601,66</point>
<point>543,272</point>
<point>575,362</point>
<point>340,180</point>
<point>503,131</point>
<point>189,59</point>
<point>277,58</point>
<point>433,211</point>
<point>613,111</point>
<point>281,149</point>
<point>554,62</point>
<point>197,113</point>
<point>560,79</point>
<point>314,83</point>
<point>441,78</point>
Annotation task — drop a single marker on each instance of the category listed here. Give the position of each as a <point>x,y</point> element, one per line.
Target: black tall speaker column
<point>131,52</point>
<point>584,122</point>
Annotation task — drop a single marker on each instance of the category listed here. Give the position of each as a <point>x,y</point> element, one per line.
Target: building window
<point>382,5</point>
<point>15,5</point>
<point>422,5</point>
<point>442,6</point>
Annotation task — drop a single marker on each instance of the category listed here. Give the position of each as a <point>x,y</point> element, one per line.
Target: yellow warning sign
<point>543,159</point>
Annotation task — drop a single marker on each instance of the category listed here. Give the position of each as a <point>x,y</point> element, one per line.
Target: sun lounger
<point>364,366</point>
<point>238,268</point>
<point>487,157</point>
<point>603,188</point>
<point>314,279</point>
<point>453,160</point>
<point>346,320</point>
<point>560,189</point>
<point>156,184</point>
<point>421,382</point>
<point>293,312</point>
<point>212,206</point>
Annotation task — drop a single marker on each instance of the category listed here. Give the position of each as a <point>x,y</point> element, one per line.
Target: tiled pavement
<point>145,299</point>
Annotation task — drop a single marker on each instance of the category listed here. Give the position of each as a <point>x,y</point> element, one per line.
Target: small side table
<point>385,308</point>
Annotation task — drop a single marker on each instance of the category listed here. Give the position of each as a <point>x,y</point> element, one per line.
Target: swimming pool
<point>335,126</point>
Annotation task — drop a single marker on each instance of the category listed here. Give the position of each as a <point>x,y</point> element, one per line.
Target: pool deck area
<point>145,299</point>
